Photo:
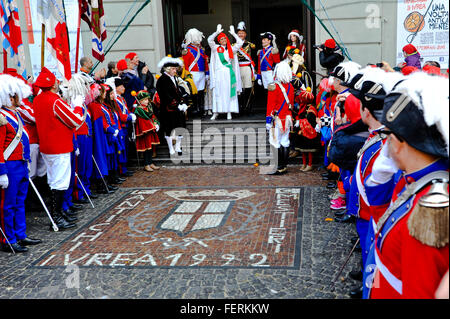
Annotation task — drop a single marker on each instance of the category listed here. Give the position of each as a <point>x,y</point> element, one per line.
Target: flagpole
<point>5,60</point>
<point>42,45</point>
<point>78,36</point>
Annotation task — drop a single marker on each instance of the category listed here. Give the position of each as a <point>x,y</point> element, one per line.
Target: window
<point>195,7</point>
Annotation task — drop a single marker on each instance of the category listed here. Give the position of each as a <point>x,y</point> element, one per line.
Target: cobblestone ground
<point>192,232</point>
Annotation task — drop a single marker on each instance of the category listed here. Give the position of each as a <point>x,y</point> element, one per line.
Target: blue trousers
<point>84,166</point>
<point>67,203</point>
<point>12,202</point>
<point>362,227</point>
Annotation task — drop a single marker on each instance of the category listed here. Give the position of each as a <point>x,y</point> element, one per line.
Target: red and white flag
<point>51,14</point>
<point>93,14</point>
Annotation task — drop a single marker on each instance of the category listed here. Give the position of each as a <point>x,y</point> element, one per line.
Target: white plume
<point>193,36</point>
<point>377,75</point>
<point>10,86</point>
<point>241,26</point>
<point>283,72</point>
<point>431,95</point>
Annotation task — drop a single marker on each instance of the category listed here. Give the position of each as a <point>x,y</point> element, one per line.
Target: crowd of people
<point>383,133</point>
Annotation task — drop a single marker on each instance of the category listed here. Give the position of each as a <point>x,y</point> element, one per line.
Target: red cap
<point>46,79</point>
<point>130,55</point>
<point>409,69</point>
<point>122,65</point>
<point>13,72</point>
<point>409,49</point>
<point>330,43</point>
<point>229,48</point>
<point>430,69</point>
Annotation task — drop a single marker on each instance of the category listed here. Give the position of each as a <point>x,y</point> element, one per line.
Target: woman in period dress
<point>225,79</point>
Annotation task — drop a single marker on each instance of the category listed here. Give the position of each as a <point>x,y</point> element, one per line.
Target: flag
<point>51,14</point>
<point>12,34</point>
<point>93,14</point>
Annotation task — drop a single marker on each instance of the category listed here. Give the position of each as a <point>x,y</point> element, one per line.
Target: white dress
<point>220,78</point>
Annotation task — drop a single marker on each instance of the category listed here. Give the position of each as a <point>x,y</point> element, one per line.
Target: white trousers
<point>37,165</point>
<point>246,77</point>
<point>58,170</point>
<point>199,80</point>
<point>267,78</point>
<point>278,138</point>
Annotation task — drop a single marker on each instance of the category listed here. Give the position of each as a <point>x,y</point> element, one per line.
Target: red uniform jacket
<point>418,266</point>
<point>189,58</point>
<point>27,112</point>
<point>275,100</point>
<point>55,122</point>
<point>268,62</point>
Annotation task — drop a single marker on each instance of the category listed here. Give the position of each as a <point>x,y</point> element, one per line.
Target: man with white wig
<point>225,74</point>
<point>172,106</point>
<point>14,160</point>
<point>279,122</point>
<point>196,62</point>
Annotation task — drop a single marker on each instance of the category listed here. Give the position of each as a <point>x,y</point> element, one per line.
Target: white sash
<point>16,140</point>
<point>196,59</point>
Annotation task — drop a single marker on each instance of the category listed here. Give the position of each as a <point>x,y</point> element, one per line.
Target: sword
<point>346,261</point>
<point>7,240</point>
<point>84,189</point>
<point>101,175</point>
<point>252,92</point>
<point>55,228</point>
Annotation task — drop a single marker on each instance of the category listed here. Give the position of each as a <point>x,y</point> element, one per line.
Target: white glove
<point>232,30</point>
<point>157,128</point>
<point>317,128</point>
<point>77,152</point>
<point>78,101</point>
<point>268,126</point>
<point>297,124</point>
<point>182,107</point>
<point>133,117</point>
<point>383,168</point>
<point>4,181</point>
<point>116,132</point>
<point>260,82</point>
<point>219,29</point>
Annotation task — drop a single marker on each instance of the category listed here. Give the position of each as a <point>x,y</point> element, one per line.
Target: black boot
<point>56,210</point>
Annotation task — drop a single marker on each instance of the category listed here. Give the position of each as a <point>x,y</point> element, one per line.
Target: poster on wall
<point>71,8</point>
<point>424,23</point>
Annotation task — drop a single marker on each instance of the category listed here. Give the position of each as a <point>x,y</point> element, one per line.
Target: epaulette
<point>3,120</point>
<point>271,87</point>
<point>428,222</point>
<point>275,51</point>
<point>184,52</point>
<point>252,45</point>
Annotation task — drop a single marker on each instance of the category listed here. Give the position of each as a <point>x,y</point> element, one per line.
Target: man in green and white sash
<point>225,79</point>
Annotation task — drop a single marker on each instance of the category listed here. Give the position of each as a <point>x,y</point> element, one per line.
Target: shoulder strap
<point>286,98</point>
<point>410,190</point>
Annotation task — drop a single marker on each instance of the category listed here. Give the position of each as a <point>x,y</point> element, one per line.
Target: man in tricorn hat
<point>410,253</point>
<point>268,57</point>
<point>247,68</point>
<point>172,106</point>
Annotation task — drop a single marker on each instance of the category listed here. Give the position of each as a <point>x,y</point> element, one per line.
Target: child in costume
<point>147,126</point>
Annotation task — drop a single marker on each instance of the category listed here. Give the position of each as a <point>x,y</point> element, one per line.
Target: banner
<point>12,34</point>
<point>424,23</point>
<point>93,14</point>
<point>71,8</point>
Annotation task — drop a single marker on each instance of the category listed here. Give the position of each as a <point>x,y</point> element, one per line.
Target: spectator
<point>86,68</point>
<point>141,70</point>
<point>329,57</point>
<point>412,57</point>
<point>112,70</point>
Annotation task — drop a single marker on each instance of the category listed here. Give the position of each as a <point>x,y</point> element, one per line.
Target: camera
<point>380,65</point>
<point>318,46</point>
